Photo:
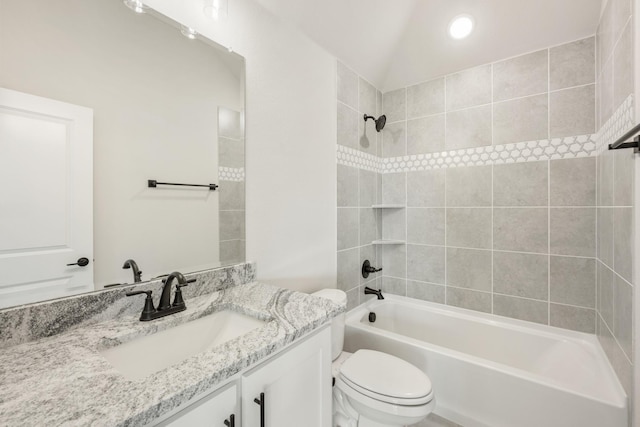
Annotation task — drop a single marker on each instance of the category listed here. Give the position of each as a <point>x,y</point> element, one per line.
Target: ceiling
<point>396,43</point>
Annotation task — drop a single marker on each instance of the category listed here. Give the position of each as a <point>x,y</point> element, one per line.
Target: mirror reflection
<point>97,101</point>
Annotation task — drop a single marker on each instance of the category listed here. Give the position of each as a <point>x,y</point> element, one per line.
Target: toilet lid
<point>385,375</point>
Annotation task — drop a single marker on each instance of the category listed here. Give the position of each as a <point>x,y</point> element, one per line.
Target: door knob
<point>82,262</point>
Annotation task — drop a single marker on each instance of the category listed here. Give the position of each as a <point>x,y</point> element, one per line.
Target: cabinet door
<point>296,386</point>
<point>210,411</point>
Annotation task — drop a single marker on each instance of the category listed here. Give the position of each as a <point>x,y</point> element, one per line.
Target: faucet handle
<point>149,308</point>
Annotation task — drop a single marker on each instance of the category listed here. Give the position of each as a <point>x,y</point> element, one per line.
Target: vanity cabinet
<point>290,389</point>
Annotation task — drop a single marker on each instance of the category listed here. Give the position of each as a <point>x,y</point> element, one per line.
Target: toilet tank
<point>337,323</point>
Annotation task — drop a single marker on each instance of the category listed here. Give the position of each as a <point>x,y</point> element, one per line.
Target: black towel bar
<point>623,141</point>
<point>152,183</point>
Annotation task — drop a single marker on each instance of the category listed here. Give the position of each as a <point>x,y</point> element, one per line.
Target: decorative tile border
<point>620,122</point>
<point>230,174</point>
<point>531,151</point>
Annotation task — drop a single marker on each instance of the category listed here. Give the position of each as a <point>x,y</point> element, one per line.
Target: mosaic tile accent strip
<point>350,157</point>
<point>230,174</point>
<point>531,151</point>
<point>620,122</point>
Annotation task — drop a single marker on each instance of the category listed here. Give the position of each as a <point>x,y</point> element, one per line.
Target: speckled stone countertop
<point>64,380</point>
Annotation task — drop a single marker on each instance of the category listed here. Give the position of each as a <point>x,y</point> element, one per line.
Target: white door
<point>294,388</point>
<point>46,198</point>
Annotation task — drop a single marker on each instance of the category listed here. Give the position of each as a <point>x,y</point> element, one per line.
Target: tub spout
<point>369,291</point>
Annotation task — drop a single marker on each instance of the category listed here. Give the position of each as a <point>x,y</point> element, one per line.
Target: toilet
<point>374,389</point>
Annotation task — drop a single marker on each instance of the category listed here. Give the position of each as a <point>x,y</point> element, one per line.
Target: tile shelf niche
<point>388,242</point>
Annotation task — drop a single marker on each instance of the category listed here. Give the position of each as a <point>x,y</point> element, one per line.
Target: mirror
<point>163,105</point>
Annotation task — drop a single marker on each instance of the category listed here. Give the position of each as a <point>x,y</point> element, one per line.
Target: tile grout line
<point>492,193</point>
<point>549,190</point>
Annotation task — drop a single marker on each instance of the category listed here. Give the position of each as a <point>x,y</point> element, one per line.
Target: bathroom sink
<point>146,355</point>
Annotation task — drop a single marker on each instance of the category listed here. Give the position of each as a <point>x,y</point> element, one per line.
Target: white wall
<point>635,405</point>
<point>290,146</point>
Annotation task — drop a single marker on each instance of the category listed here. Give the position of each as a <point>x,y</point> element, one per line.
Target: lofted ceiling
<point>396,43</point>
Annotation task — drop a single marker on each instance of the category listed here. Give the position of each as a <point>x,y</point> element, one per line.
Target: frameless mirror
<point>96,101</point>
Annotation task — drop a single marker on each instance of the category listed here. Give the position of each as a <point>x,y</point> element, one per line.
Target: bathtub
<point>491,371</point>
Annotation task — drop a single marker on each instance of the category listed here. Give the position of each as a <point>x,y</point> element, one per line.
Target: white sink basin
<point>144,356</point>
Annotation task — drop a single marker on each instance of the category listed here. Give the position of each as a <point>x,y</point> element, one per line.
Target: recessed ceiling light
<point>461,26</point>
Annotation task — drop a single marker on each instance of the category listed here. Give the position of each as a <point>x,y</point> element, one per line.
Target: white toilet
<point>374,389</point>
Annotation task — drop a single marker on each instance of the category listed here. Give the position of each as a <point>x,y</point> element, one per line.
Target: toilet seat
<point>386,378</point>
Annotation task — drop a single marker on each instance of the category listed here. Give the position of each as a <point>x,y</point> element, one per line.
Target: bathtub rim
<point>617,398</point>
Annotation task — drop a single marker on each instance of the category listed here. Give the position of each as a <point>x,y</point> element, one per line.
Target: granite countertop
<point>63,380</point>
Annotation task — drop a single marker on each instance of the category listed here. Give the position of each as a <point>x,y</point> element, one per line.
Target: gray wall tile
<point>623,242</point>
<point>232,251</point>
<point>469,186</point>
<point>347,126</point>
<point>367,188</point>
<point>425,99</point>
<point>394,140</point>
<point>425,291</point>
<point>353,298</point>
<point>521,76</point>
<point>394,260</point>
<point>469,268</point>
<point>370,227</point>
<point>469,128</point>
<point>574,318</point>
<point>605,236</point>
<point>426,263</point>
<point>348,228</point>
<point>394,224</point>
<point>572,64</point>
<point>521,184</point>
<point>231,195</point>
<point>347,86</point>
<point>231,225</point>
<point>469,88</point>
<point>466,298</point>
<point>368,137</point>
<point>347,186</point>
<point>469,227</point>
<point>605,293</point>
<point>394,188</point>
<point>605,178</point>
<point>368,252</point>
<point>426,188</point>
<point>426,135</point>
<point>623,67</point>
<point>520,308</point>
<point>623,177</point>
<point>605,87</point>
<point>426,226</point>
<point>348,269</point>
<point>573,281</point>
<point>394,105</point>
<point>520,229</point>
<point>522,275</point>
<point>573,182</point>
<point>572,112</point>
<point>367,98</point>
<point>619,362</point>
<point>573,231</point>
<point>231,152</point>
<point>393,285</point>
<point>623,320</point>
<point>523,119</point>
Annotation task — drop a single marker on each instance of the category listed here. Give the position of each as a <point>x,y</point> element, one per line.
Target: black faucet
<point>137,274</point>
<point>165,307</point>
<point>369,291</point>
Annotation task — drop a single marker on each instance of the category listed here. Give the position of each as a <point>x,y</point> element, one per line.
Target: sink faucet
<point>137,274</point>
<point>369,291</point>
<point>165,308</point>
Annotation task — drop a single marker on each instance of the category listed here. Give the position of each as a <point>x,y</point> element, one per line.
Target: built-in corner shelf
<point>388,242</point>
<point>387,206</point>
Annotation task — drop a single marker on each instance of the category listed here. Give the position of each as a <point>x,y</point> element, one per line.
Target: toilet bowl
<point>374,389</point>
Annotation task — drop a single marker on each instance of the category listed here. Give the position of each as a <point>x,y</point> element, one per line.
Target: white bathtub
<point>493,371</point>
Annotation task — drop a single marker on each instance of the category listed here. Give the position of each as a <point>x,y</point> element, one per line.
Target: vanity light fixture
<point>216,9</point>
<point>188,32</point>
<point>461,26</point>
<point>136,5</point>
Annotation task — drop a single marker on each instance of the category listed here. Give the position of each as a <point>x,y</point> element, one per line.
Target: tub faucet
<point>137,274</point>
<point>369,291</point>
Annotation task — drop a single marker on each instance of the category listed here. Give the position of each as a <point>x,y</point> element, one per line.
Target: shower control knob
<point>367,269</point>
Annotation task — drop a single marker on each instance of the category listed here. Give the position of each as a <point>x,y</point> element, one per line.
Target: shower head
<point>380,121</point>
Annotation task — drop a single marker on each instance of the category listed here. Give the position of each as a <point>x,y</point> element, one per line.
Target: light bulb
<point>461,26</point>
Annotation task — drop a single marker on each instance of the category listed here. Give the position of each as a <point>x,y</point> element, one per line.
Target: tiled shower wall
<point>513,231</point>
<point>615,77</point>
<point>231,190</point>
<point>358,187</point>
